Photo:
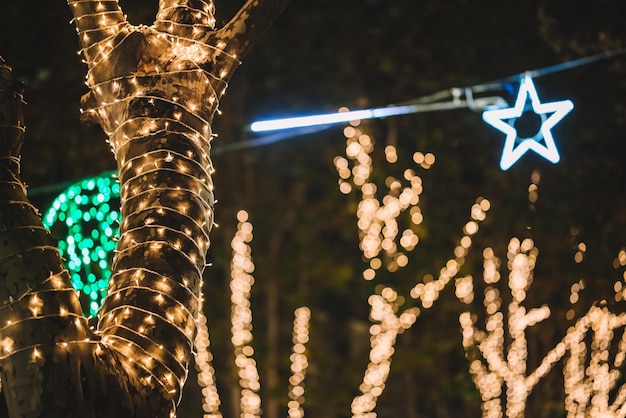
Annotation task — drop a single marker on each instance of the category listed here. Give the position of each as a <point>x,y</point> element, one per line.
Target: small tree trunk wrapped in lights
<point>51,363</point>
<point>154,90</point>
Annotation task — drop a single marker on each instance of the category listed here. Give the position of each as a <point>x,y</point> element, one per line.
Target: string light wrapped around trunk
<point>162,148</point>
<point>154,90</point>
<point>36,298</point>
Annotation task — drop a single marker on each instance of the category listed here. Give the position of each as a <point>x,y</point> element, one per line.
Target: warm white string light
<point>299,362</point>
<point>384,331</point>
<point>168,179</point>
<point>53,300</point>
<point>587,387</point>
<point>161,144</point>
<point>500,366</point>
<point>241,283</point>
<point>378,233</point>
<point>377,218</point>
<point>206,372</point>
<point>37,300</point>
<point>157,109</point>
<point>388,324</point>
<point>429,289</point>
<point>590,376</point>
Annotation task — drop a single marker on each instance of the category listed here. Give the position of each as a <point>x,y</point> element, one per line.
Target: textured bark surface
<point>51,362</point>
<point>154,90</point>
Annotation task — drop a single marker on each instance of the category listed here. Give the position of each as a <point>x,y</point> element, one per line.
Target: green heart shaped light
<point>82,218</point>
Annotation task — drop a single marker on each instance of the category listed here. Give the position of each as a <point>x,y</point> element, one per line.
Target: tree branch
<point>190,18</point>
<point>98,22</point>
<point>243,31</point>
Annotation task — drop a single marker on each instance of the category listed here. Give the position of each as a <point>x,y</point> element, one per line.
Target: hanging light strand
<point>241,283</point>
<point>299,362</point>
<point>206,372</point>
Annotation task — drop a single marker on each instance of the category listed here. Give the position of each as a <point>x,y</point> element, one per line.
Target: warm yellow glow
<point>381,239</point>
<point>533,189</point>
<point>31,306</point>
<point>590,376</point>
<point>206,373</point>
<point>387,326</point>
<point>175,91</point>
<point>377,218</point>
<point>504,369</point>
<point>241,283</point>
<point>428,290</point>
<point>299,362</point>
<point>592,370</point>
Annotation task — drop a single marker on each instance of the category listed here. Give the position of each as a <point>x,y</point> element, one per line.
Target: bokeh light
<point>85,220</point>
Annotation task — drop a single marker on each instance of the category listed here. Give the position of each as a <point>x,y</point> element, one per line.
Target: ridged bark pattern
<point>154,90</point>
<point>51,363</point>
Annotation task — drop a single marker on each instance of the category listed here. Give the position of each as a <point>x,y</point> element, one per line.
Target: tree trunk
<point>52,363</point>
<point>154,90</point>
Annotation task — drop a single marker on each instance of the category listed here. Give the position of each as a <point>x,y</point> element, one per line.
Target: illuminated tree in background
<point>241,318</point>
<point>379,229</point>
<point>497,355</point>
<point>506,367</point>
<point>154,90</point>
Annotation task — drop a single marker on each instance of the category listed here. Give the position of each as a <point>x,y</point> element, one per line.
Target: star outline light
<point>501,119</point>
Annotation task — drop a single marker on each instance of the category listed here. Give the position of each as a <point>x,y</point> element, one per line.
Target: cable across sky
<point>452,98</point>
<point>459,98</point>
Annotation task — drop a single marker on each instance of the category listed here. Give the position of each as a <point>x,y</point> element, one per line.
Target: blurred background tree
<point>325,54</point>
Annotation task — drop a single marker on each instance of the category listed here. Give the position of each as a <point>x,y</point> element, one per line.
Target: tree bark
<point>51,362</point>
<point>154,90</point>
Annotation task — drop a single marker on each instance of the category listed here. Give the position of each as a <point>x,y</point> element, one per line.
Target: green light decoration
<point>84,222</point>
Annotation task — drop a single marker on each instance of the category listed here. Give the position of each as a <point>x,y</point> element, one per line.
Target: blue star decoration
<point>542,142</point>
